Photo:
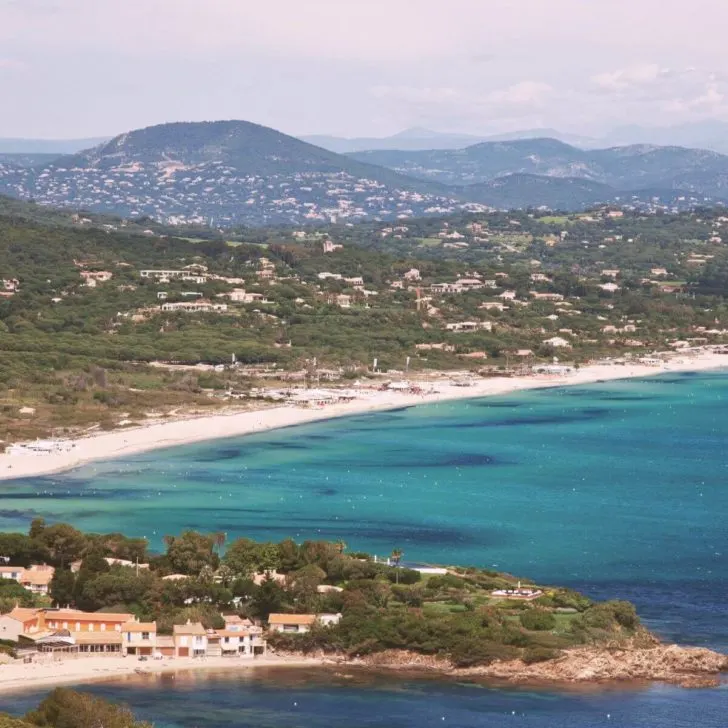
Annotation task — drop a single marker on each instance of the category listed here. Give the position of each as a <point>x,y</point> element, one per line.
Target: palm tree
<point>396,557</point>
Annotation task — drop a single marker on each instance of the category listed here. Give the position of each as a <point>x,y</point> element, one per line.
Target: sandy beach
<point>17,676</point>
<point>184,431</point>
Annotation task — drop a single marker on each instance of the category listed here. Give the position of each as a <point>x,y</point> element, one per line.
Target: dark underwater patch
<point>467,460</point>
<point>588,413</point>
<point>496,405</point>
<point>382,531</point>
<point>18,515</point>
<point>328,491</point>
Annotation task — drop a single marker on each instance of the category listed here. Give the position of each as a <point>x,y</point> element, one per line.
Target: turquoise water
<point>616,488</point>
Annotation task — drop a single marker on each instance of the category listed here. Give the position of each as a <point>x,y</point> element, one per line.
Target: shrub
<point>538,621</point>
<point>624,613</point>
<point>468,653</point>
<point>446,581</point>
<point>532,655</point>
<point>405,576</point>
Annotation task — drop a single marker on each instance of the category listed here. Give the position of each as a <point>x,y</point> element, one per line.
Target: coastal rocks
<point>687,667</point>
<point>691,667</point>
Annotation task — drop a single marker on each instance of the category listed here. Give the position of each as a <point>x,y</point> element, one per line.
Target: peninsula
<point>115,608</point>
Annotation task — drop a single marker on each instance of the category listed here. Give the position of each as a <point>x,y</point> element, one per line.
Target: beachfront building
<point>19,621</point>
<point>105,643</point>
<point>291,623</point>
<point>139,638</point>
<point>190,640</point>
<point>300,623</point>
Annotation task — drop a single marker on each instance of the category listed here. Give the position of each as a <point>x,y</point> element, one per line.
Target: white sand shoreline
<point>17,677</point>
<point>132,441</point>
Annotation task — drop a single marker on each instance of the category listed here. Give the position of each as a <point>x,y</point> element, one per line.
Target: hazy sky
<point>73,68</point>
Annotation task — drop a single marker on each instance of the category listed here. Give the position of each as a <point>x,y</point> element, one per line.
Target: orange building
<point>76,621</point>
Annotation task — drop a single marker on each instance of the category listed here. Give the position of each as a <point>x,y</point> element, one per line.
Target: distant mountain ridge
<point>710,134</point>
<point>421,139</point>
<point>48,146</point>
<point>622,168</point>
<point>229,173</point>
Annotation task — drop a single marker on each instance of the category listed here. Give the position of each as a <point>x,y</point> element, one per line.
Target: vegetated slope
<point>227,171</point>
<point>529,190</point>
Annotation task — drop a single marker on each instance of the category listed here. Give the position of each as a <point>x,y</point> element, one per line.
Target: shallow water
<point>292,699</point>
<point>616,488</point>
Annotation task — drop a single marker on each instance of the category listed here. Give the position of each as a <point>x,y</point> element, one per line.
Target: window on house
<point>145,635</point>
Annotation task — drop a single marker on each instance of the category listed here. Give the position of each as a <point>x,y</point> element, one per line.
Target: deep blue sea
<point>618,489</point>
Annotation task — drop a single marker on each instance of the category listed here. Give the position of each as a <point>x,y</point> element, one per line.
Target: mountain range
<point>47,146</point>
<point>708,134</point>
<point>421,139</point>
<point>626,169</point>
<point>229,173</point>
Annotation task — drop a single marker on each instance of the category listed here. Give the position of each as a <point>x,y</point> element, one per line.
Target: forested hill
<point>225,172</point>
<point>241,147</point>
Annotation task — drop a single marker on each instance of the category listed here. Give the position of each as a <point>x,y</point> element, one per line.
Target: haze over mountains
<point>712,135</point>
<point>234,172</point>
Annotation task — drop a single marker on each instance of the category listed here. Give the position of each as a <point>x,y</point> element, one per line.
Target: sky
<point>82,68</point>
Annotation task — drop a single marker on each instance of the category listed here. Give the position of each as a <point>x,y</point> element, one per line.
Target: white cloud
<point>521,94</point>
<point>625,78</point>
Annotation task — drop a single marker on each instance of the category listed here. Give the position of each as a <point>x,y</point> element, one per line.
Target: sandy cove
<point>17,676</point>
<point>185,431</point>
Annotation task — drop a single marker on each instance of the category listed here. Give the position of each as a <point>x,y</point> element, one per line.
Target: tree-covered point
<point>385,605</point>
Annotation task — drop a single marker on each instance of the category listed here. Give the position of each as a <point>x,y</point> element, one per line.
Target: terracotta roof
<point>97,638</point>
<point>139,627</point>
<point>37,578</point>
<point>70,615</point>
<point>24,614</point>
<point>189,629</point>
<point>304,619</point>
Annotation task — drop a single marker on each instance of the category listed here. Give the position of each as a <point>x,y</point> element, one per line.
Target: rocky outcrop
<point>689,667</point>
